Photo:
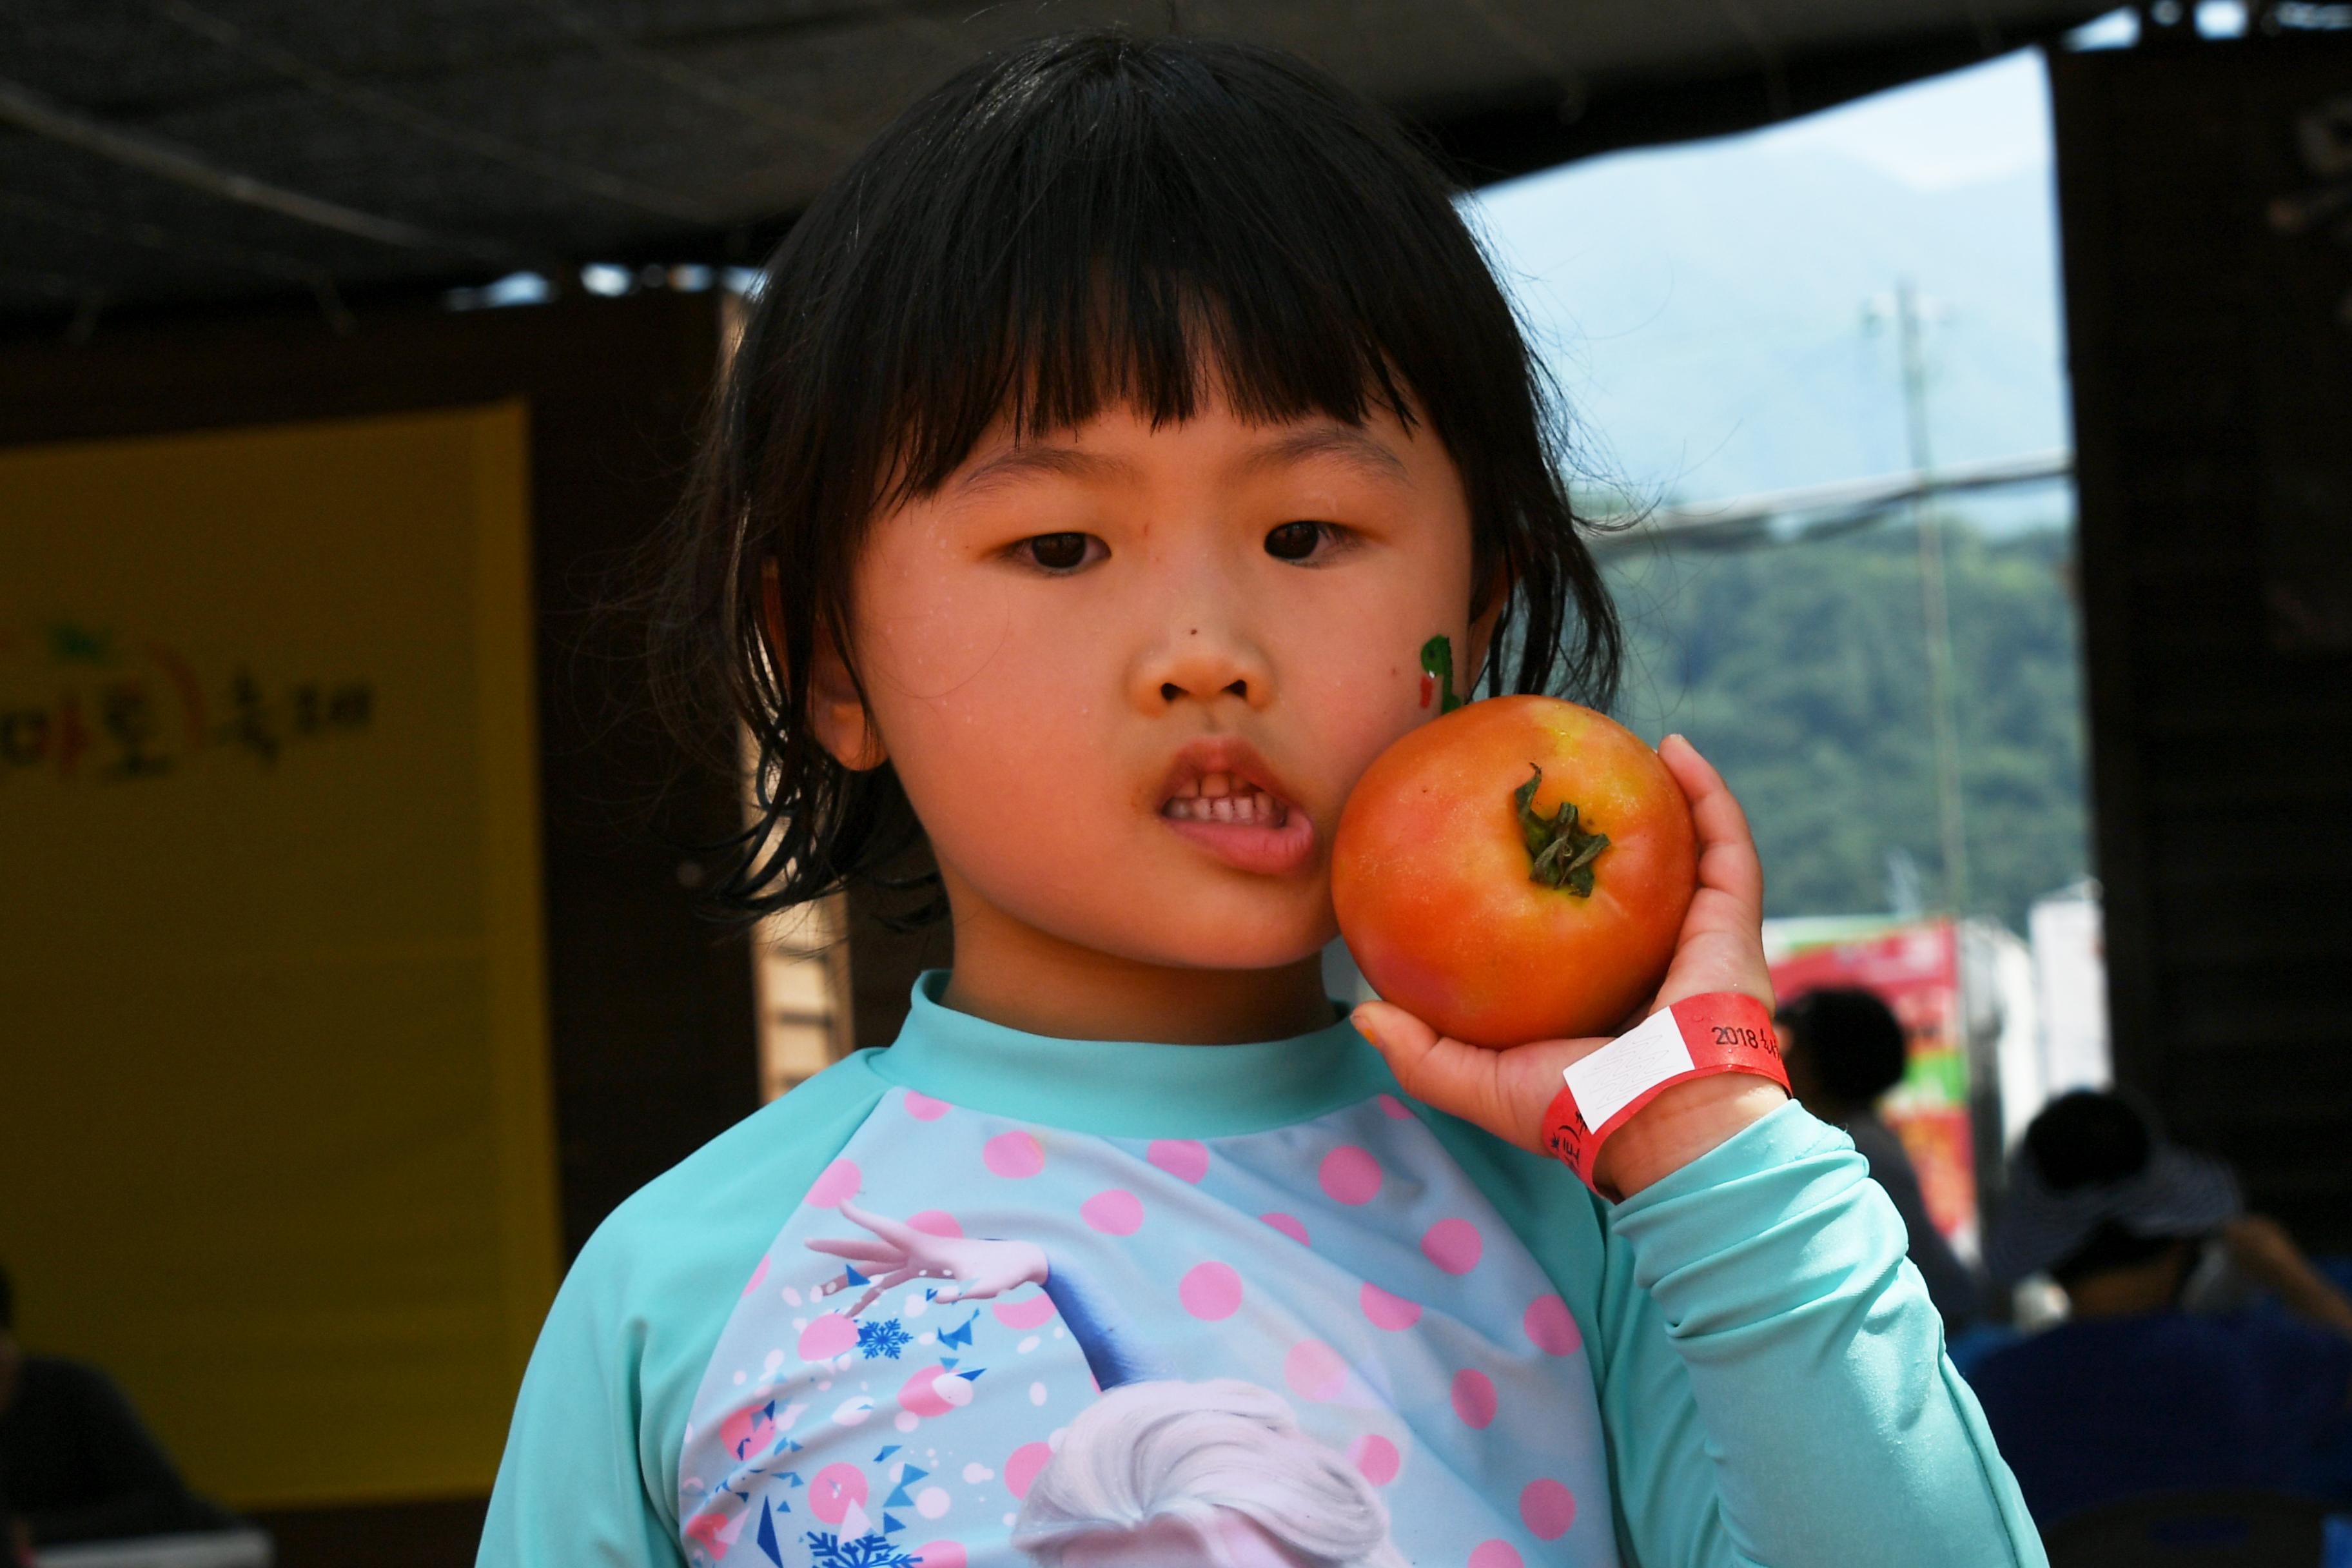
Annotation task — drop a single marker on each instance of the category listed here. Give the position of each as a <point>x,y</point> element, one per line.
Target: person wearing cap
<point>1844,1049</point>
<point>2132,1394</point>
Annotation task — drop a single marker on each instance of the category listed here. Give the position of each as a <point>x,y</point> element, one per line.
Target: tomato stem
<point>1561,850</point>
<point>1437,670</point>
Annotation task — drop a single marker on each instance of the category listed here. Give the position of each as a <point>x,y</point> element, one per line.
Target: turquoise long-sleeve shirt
<point>1447,1350</point>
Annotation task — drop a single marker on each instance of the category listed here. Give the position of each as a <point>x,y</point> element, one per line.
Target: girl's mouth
<point>1221,797</point>
<point>1239,821</point>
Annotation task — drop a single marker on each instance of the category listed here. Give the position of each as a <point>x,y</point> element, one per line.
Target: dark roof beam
<point>622,51</point>
<point>30,110</point>
<point>379,105</point>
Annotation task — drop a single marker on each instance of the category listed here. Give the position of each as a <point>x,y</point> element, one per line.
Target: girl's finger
<point>1461,1080</point>
<point>1720,947</point>
<point>1728,862</point>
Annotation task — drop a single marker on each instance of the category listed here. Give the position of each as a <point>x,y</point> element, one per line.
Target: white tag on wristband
<point>1651,1053</point>
<point>1698,1036</point>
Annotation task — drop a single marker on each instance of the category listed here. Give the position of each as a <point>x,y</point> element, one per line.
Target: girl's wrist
<point>1685,1122</point>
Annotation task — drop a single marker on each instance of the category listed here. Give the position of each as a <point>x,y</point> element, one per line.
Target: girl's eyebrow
<point>1345,442</point>
<point>1031,458</point>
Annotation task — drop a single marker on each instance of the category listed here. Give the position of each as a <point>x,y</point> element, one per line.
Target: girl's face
<point>1128,675</point>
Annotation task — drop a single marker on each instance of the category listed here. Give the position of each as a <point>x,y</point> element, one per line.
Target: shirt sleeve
<point>590,1475</point>
<point>1773,1377</point>
<point>1949,1284</point>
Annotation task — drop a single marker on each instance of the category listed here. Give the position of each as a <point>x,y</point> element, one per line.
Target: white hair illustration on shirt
<point>1166,1472</point>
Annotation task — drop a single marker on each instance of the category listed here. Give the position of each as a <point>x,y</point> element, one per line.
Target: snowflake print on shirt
<point>884,1337</point>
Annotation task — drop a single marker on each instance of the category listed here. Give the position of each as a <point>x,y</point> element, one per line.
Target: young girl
<point>1102,447</point>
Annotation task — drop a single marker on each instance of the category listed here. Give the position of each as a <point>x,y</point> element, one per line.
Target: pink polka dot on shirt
<point>1023,1316</point>
<point>837,1185</point>
<point>1453,1244</point>
<point>827,1337</point>
<point>1547,1509</point>
<point>1314,1371</point>
<point>1183,1158</point>
<point>1375,1459</point>
<point>1021,1469</point>
<point>1349,1175</point>
<point>1551,1326</point>
<point>923,1108</point>
<point>1115,1212</point>
<point>1014,1155</point>
<point>1383,1310</point>
<point>1211,1291</point>
<point>1289,1225</point>
<point>1474,1398</point>
<point>832,1491</point>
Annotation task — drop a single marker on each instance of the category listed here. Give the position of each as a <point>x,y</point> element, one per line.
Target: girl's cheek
<point>929,639</point>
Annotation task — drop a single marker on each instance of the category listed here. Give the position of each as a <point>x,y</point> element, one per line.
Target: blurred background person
<point>2132,1394</point>
<point>1844,1049</point>
<point>75,1462</point>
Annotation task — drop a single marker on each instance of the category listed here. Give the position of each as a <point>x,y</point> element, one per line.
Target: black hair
<point>1853,1041</point>
<point>2089,1139</point>
<point>1079,222</point>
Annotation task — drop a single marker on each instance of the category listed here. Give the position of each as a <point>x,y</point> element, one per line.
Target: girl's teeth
<point>1250,808</point>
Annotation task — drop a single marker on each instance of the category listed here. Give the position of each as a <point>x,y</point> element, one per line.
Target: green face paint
<point>1437,673</point>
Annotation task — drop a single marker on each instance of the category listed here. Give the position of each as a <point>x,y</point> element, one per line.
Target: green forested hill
<point>1799,670</point>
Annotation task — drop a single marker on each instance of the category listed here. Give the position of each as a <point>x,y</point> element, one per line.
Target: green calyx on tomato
<point>1562,851</point>
<point>1437,673</point>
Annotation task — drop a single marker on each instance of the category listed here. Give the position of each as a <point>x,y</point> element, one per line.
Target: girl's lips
<point>1269,850</point>
<point>1221,795</point>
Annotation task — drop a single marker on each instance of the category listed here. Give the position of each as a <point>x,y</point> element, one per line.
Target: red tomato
<point>1492,913</point>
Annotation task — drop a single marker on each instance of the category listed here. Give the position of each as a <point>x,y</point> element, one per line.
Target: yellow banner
<point>274,1143</point>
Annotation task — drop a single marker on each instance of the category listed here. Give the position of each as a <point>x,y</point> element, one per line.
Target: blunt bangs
<point>1085,223</point>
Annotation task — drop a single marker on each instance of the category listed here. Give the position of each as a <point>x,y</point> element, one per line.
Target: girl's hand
<point>1720,948</point>
<point>899,1253</point>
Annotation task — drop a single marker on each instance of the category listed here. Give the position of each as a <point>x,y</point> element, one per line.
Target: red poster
<point>1915,967</point>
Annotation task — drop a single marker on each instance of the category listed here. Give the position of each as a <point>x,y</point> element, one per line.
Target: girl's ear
<point>836,710</point>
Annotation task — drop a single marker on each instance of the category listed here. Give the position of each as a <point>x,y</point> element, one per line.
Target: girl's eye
<point>1299,541</point>
<point>1061,552</point>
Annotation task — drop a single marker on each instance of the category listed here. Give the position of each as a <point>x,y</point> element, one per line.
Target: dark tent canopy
<point>160,152</point>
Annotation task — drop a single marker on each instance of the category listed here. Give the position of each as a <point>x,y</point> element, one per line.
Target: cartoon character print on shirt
<point>982,1343</point>
<point>1156,1470</point>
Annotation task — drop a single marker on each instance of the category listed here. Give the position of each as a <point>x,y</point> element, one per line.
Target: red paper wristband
<point>1698,1036</point>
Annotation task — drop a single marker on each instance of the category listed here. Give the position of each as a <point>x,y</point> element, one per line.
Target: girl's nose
<point>1201,662</point>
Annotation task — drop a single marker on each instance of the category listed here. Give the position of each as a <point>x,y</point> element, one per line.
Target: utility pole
<point>1934,611</point>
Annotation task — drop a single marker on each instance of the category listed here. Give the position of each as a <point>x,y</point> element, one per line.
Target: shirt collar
<point>1127,1089</point>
